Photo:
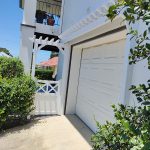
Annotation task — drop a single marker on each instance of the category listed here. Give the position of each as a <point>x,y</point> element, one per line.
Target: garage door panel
<point>97,96</point>
<point>103,74</point>
<point>108,60</point>
<point>96,108</point>
<point>104,51</point>
<point>90,118</point>
<point>99,85</point>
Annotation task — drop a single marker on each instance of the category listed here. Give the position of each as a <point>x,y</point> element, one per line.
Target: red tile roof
<point>50,63</point>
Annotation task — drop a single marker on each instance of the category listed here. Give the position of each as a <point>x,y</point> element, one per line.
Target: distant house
<point>52,62</point>
<point>4,54</point>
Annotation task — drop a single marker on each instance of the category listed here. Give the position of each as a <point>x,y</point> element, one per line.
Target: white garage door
<point>100,82</point>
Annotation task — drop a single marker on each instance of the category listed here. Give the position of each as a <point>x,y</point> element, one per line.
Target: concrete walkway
<point>51,133</point>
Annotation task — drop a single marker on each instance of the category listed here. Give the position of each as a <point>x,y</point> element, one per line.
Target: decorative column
<point>27,32</point>
<point>34,60</point>
<point>65,76</point>
<point>26,47</point>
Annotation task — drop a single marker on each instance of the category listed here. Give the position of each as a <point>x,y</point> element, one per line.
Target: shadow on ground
<point>48,133</point>
<point>26,126</point>
<point>81,127</point>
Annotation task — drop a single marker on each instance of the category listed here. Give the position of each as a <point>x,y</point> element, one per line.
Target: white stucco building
<point>36,23</point>
<point>93,68</point>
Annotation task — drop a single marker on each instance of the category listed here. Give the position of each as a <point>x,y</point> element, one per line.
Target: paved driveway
<point>51,133</point>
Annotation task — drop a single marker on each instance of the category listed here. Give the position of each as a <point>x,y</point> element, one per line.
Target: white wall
<point>140,72</point>
<point>133,75</point>
<point>46,29</point>
<point>75,10</point>
<point>26,47</point>
<point>60,66</point>
<point>73,80</point>
<point>141,75</point>
<point>27,32</point>
<point>65,71</point>
<point>29,12</point>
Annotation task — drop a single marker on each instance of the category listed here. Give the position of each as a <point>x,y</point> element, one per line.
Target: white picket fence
<point>47,98</point>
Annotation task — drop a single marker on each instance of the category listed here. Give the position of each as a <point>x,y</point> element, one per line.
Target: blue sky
<point>10,20</point>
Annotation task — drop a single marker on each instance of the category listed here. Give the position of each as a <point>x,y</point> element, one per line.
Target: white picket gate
<point>47,98</point>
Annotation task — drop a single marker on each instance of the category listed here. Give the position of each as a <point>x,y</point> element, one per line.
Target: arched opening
<point>53,46</point>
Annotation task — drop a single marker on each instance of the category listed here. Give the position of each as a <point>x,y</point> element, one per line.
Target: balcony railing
<point>48,12</point>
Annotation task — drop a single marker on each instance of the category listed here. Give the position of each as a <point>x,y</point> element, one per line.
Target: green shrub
<point>10,67</point>
<point>16,99</point>
<point>44,74</point>
<point>16,93</point>
<point>131,131</point>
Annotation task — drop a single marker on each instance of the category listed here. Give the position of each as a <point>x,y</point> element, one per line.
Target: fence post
<point>58,100</point>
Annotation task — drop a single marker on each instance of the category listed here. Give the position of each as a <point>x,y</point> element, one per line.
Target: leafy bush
<point>44,74</point>
<point>131,131</point>
<point>16,99</point>
<point>16,93</point>
<point>10,67</point>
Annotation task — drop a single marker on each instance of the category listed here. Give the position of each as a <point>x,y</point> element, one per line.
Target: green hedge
<point>16,93</point>
<point>16,99</point>
<point>44,74</point>
<point>10,67</point>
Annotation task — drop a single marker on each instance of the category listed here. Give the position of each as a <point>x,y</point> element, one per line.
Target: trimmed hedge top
<point>43,74</point>
<point>10,68</point>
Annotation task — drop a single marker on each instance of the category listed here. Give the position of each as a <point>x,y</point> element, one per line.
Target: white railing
<point>46,29</point>
<point>49,87</point>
